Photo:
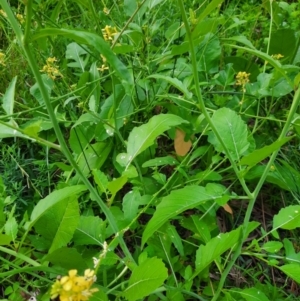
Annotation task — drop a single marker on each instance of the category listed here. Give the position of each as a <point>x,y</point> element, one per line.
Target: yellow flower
<point>242,78</point>
<point>51,69</point>
<point>2,59</point>
<point>109,32</point>
<point>277,56</point>
<point>3,13</point>
<point>73,287</point>
<point>20,18</point>
<point>106,10</point>
<point>104,65</point>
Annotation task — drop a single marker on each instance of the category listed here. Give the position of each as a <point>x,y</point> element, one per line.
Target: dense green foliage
<point>153,143</point>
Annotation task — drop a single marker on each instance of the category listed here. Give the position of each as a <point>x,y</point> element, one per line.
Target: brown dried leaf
<point>228,209</point>
<point>181,147</point>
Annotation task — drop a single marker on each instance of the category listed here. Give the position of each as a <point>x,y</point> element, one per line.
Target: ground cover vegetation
<point>149,150</point>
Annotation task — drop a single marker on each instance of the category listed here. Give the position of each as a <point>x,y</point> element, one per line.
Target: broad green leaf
<point>66,258</point>
<point>5,239</point>
<point>272,246</point>
<point>76,53</point>
<point>8,131</point>
<point>287,218</point>
<point>131,203</point>
<point>129,7</point>
<point>212,5</point>
<point>292,270</point>
<point>95,87</point>
<point>9,97</point>
<point>160,161</point>
<point>52,199</point>
<point>35,90</point>
<point>88,38</point>
<point>175,238</point>
<point>206,254</point>
<point>93,158</point>
<point>253,294</point>
<point>240,39</point>
<point>290,253</point>
<point>90,231</point>
<point>59,223</point>
<point>233,132</point>
<point>100,179</point>
<point>11,227</point>
<point>145,278</point>
<point>283,41</point>
<point>174,82</point>
<point>265,57</point>
<point>262,153</point>
<point>144,136</point>
<point>175,203</point>
<point>116,184</point>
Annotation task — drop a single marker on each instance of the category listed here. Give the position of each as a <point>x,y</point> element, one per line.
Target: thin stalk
<point>238,250</point>
<point>201,102</point>
<point>29,52</point>
<point>34,138</point>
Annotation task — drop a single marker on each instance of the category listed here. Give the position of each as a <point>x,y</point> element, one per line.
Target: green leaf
<point>272,246</point>
<point>233,132</point>
<point>9,97</point>
<point>292,270</point>
<point>288,218</point>
<point>5,239</point>
<point>11,228</point>
<point>93,158</point>
<point>100,179</point>
<point>35,90</point>
<point>177,202</point>
<point>240,39</point>
<point>174,82</point>
<point>283,41</point>
<point>59,223</point>
<point>253,294</point>
<point>131,203</point>
<point>75,53</point>
<point>160,161</point>
<point>52,199</point>
<point>145,278</point>
<point>144,136</point>
<point>206,254</point>
<point>291,255</point>
<point>66,258</point>
<point>90,231</point>
<point>6,132</point>
<point>175,238</point>
<point>88,38</point>
<point>264,57</point>
<point>262,153</point>
<point>116,185</point>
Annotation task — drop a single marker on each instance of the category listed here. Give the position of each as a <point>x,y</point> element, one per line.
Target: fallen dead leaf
<point>181,147</point>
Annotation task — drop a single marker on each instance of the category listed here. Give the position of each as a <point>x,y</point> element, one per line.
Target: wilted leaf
<point>181,146</point>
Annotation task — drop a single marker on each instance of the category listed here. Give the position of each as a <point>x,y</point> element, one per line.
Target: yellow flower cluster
<point>2,58</point>
<point>50,68</point>
<point>109,32</point>
<point>3,13</point>
<point>277,56</point>
<point>242,78</point>
<point>73,287</point>
<point>104,65</point>
<point>20,18</point>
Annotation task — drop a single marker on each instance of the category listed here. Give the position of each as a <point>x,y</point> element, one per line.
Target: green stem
<point>64,148</point>
<point>32,138</point>
<point>238,250</point>
<point>201,101</point>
